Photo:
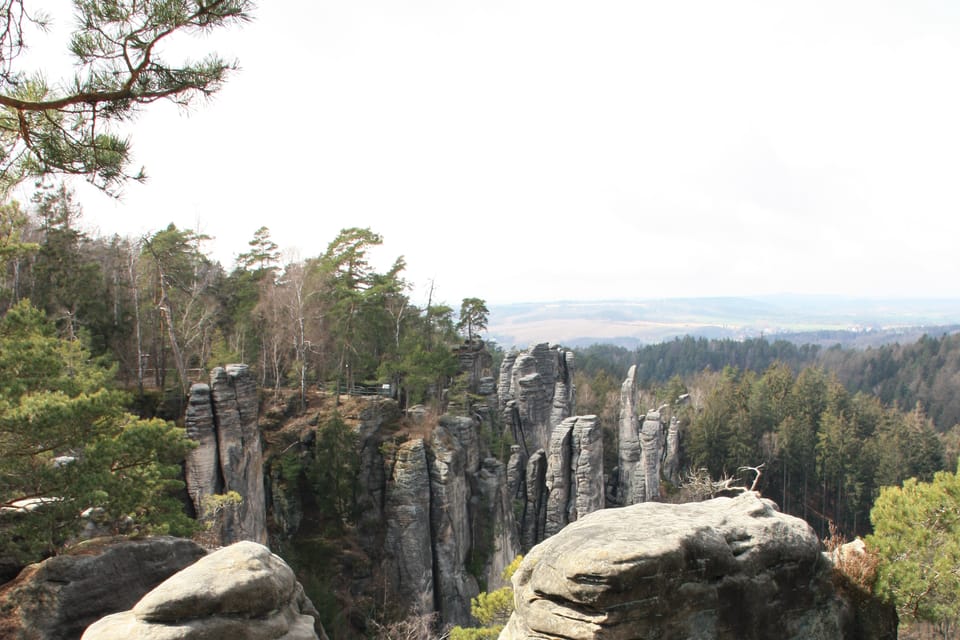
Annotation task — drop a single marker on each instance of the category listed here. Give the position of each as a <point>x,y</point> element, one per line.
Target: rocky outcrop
<point>516,475</point>
<point>60,597</point>
<point>536,393</point>
<point>202,469</point>
<point>725,568</point>
<point>651,436</point>
<point>408,552</point>
<point>495,535</point>
<point>587,466</point>
<point>671,459</point>
<point>574,476</point>
<point>450,466</point>
<point>558,479</point>
<point>535,508</point>
<point>235,407</point>
<point>630,477</point>
<point>477,362</point>
<point>223,419</point>
<point>242,591</point>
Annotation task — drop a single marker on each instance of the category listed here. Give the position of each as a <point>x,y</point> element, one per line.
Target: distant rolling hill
<point>826,320</point>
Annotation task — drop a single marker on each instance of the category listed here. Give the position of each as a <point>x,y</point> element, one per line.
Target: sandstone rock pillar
<point>407,543</point>
<point>630,481</point>
<point>223,419</point>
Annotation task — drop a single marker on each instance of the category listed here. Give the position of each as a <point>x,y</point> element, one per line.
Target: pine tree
<point>68,447</point>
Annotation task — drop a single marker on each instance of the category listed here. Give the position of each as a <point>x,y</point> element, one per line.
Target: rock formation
<point>651,450</point>
<point>58,598</point>
<point>434,518</point>
<point>671,458</point>
<point>495,536</point>
<point>477,362</point>
<point>535,393</point>
<point>629,486</point>
<point>535,508</point>
<point>202,470</point>
<point>242,591</point>
<point>516,475</point>
<point>574,476</point>
<point>222,418</point>
<point>408,551</point>
<point>642,446</point>
<point>451,465</point>
<point>725,568</point>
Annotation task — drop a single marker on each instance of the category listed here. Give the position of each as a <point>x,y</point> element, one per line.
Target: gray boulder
<point>728,568</point>
<point>58,598</point>
<point>241,592</point>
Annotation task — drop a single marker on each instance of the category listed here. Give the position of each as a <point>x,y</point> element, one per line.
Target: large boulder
<point>728,568</point>
<point>58,598</point>
<point>241,592</point>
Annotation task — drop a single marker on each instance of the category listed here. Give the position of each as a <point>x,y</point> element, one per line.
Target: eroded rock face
<point>722,569</point>
<point>242,591</point>
<point>450,523</point>
<point>202,470</point>
<point>587,466</point>
<point>651,450</point>
<point>495,535</point>
<point>223,419</point>
<point>408,554</point>
<point>671,459</point>
<point>535,508</point>
<point>536,393</point>
<point>58,598</point>
<point>630,478</point>
<point>574,477</point>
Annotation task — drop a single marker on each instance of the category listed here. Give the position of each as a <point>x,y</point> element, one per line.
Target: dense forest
<point>831,427</point>
<point>165,313</point>
<point>926,371</point>
<point>823,430</point>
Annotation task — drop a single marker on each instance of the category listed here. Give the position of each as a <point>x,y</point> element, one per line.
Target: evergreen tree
<point>66,445</point>
<point>917,536</point>
<point>51,126</point>
<point>473,317</point>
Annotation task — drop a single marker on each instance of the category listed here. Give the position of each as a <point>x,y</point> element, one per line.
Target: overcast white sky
<point>522,150</point>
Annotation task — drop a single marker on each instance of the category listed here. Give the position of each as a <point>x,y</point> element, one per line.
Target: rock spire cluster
<point>222,418</point>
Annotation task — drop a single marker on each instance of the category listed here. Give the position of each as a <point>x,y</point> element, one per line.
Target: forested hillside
<point>165,312</point>
<point>926,371</point>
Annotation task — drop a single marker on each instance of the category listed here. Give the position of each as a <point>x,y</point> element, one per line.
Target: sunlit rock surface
<point>728,568</point>
<point>242,591</point>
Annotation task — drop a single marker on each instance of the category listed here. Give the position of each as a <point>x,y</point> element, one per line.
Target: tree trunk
<point>174,346</point>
